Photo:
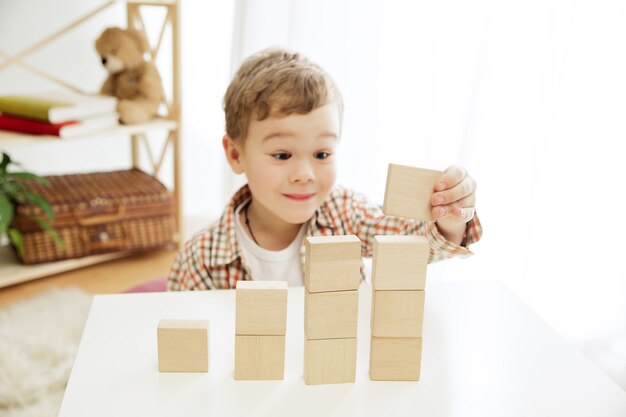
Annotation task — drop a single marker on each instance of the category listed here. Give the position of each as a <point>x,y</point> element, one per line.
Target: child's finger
<point>456,209</point>
<point>464,213</point>
<point>461,213</point>
<point>455,194</point>
<point>452,176</point>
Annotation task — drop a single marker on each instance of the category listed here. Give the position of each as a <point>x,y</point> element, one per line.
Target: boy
<point>283,122</point>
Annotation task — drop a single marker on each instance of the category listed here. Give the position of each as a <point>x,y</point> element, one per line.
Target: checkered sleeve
<point>189,270</point>
<point>367,220</point>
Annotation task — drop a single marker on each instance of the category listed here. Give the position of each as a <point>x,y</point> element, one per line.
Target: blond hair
<point>276,82</point>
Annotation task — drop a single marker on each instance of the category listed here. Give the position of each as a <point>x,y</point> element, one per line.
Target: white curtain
<point>529,96</point>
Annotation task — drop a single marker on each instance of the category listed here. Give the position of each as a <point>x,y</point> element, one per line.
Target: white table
<point>484,354</point>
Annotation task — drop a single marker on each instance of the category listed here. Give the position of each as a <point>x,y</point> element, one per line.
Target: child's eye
<point>321,155</point>
<point>282,156</point>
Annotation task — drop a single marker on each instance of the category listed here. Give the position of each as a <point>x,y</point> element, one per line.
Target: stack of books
<point>59,114</point>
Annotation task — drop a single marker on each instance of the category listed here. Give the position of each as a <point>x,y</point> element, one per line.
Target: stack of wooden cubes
<point>398,281</point>
<point>260,328</point>
<point>332,276</point>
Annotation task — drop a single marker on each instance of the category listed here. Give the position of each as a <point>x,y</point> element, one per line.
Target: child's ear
<point>233,154</point>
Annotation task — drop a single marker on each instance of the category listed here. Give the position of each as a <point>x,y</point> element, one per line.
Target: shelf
<point>8,138</point>
<point>12,272</point>
<point>143,152</point>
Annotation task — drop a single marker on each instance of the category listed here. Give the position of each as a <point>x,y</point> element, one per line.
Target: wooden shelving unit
<point>11,272</point>
<point>14,139</point>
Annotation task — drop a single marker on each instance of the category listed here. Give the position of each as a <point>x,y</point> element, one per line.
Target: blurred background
<point>529,96</point>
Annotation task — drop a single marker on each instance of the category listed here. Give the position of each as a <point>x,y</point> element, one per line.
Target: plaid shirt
<point>212,258</point>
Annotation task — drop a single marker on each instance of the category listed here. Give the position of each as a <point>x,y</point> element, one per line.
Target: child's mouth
<point>299,197</point>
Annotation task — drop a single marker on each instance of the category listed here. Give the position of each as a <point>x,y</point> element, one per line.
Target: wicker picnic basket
<point>98,213</point>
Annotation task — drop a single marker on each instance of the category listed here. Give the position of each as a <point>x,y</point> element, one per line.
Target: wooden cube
<point>183,345</point>
<point>261,308</point>
<point>395,358</point>
<point>332,263</point>
<point>259,357</point>
<point>329,361</point>
<point>397,313</point>
<point>399,262</point>
<point>409,190</point>
<point>329,315</point>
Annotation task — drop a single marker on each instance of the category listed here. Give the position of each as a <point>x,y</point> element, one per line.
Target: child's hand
<point>454,202</point>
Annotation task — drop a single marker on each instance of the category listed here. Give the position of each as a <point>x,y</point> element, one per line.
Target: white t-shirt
<point>270,265</point>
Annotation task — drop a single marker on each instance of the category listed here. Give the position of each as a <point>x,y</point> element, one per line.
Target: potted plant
<point>12,192</point>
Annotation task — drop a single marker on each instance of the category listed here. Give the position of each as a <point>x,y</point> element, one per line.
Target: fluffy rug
<point>39,338</point>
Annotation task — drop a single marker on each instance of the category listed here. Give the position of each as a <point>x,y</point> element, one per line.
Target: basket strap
<point>104,242</point>
<point>91,220</point>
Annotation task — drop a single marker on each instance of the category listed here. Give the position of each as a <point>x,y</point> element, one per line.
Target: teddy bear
<point>132,79</point>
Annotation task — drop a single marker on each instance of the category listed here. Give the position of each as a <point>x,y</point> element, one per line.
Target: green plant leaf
<point>6,160</point>
<point>41,202</point>
<point>17,240</point>
<point>12,190</point>
<point>16,191</point>
<point>29,176</point>
<point>46,227</point>
<point>6,212</point>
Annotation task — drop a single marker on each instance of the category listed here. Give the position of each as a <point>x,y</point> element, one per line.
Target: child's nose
<point>302,172</point>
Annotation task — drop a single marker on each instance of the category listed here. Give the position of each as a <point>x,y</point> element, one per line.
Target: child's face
<point>290,163</point>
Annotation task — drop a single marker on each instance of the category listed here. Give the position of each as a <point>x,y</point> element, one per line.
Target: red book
<point>62,130</point>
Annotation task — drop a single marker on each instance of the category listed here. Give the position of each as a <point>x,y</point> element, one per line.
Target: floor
<point>105,278</point>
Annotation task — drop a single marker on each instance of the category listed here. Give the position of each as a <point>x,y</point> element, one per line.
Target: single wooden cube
<point>329,361</point>
<point>261,308</point>
<point>397,313</point>
<point>259,357</point>
<point>395,358</point>
<point>332,263</point>
<point>409,190</point>
<point>399,262</point>
<point>183,345</point>
<point>329,315</point>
